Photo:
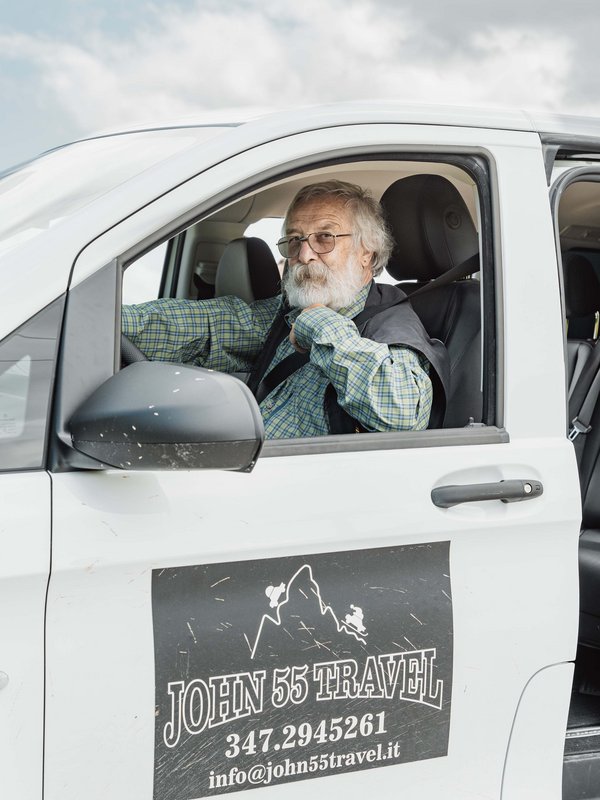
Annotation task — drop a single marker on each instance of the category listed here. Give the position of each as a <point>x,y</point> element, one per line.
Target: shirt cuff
<point>322,324</point>
<point>128,321</point>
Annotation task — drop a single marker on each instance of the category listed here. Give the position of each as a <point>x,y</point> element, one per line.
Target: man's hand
<point>293,341</point>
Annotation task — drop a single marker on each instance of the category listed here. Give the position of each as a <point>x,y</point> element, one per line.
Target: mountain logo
<point>303,588</point>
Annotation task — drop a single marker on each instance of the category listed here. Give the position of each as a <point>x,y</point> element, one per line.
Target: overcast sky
<point>72,67</point>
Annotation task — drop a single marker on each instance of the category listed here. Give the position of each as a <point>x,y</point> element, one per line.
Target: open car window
<point>192,260</point>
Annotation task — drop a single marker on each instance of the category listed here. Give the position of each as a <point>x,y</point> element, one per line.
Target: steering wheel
<point>130,353</point>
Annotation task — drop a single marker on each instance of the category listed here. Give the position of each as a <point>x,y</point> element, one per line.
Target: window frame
<point>587,173</point>
<point>479,166</point>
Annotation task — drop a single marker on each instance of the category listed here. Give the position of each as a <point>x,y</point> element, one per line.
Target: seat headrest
<point>431,225</point>
<point>582,287</point>
<point>247,269</point>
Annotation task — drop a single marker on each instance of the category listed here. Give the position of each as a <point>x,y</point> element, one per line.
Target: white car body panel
<point>534,764</point>
<point>24,571</point>
<point>104,550</point>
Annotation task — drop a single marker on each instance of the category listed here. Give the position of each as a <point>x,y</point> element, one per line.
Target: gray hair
<point>372,230</point>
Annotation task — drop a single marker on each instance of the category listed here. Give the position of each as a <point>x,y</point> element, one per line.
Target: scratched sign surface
<point>291,668</point>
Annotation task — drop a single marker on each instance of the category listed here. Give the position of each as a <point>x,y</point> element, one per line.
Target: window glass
<point>141,281</point>
<point>27,359</point>
<point>14,390</point>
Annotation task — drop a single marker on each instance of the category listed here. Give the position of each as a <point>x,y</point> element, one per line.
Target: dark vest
<point>387,319</point>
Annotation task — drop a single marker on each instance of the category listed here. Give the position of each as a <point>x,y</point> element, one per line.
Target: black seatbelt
<point>456,273</point>
<point>583,401</point>
<point>261,385</point>
<point>277,333</point>
<point>279,373</point>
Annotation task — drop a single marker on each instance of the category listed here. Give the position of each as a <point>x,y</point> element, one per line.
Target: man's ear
<point>366,261</point>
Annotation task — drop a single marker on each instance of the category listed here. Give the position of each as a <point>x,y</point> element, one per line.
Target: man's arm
<point>386,388</point>
<point>224,334</point>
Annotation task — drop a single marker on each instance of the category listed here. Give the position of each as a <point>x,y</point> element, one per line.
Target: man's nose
<point>306,253</point>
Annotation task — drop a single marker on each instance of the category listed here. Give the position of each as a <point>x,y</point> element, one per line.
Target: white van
<point>189,611</point>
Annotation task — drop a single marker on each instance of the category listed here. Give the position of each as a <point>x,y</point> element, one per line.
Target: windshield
<point>37,194</point>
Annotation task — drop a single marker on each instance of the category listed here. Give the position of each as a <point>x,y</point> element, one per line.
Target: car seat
<point>247,269</point>
<point>582,302</point>
<point>433,232</point>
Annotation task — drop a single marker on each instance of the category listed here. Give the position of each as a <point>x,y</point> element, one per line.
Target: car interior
<point>433,210</point>
<point>579,232</point>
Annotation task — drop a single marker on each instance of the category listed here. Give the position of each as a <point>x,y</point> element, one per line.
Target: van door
<point>325,615</point>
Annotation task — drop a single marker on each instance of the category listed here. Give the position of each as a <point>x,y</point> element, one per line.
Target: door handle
<point>511,491</point>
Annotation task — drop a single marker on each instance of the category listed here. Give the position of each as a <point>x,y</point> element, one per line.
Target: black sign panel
<point>285,669</point>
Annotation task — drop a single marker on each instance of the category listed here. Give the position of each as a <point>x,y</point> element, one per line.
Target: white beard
<point>307,284</point>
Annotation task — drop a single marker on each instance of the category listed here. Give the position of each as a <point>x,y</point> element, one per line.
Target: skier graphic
<point>274,593</point>
<point>355,620</point>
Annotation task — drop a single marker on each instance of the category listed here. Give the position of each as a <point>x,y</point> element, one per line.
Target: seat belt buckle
<point>578,427</point>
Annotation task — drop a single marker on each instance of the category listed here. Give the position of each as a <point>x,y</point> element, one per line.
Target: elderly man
<point>335,352</point>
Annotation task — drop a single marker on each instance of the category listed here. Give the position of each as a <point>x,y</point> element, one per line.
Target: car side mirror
<point>154,415</point>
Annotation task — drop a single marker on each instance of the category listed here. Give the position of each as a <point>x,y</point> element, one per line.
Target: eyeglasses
<point>319,242</point>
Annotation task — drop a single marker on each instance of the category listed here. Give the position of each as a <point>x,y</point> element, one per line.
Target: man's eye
<point>292,240</point>
<point>324,238</point>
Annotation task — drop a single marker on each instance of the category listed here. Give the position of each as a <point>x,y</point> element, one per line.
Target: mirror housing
<point>156,415</point>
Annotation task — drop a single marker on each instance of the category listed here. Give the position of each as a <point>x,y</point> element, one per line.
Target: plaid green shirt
<point>386,388</point>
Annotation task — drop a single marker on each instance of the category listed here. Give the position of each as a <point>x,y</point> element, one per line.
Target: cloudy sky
<point>72,67</point>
